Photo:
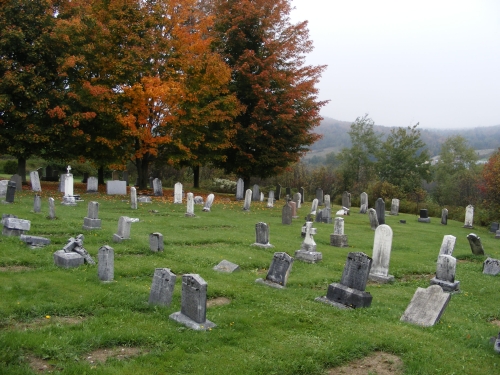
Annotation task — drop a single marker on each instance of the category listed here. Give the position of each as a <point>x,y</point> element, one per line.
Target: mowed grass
<point>262,330</point>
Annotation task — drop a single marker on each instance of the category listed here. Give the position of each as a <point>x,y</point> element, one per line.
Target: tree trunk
<point>21,168</point>
<point>196,177</point>
<point>142,166</point>
<point>100,175</point>
<point>246,184</point>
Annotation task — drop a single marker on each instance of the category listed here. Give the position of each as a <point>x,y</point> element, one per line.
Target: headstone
<point>208,203</point>
<point>156,242</point>
<point>319,196</point>
<point>248,200</point>
<point>278,273</point>
<point>92,185</point>
<point>382,246</point>
<point>424,217</point>
<point>37,204</point>
<point>491,266</point>
<point>261,199</point>
<point>270,199</point>
<point>125,177</point>
<point>338,238</point>
<point>307,252</point>
<point>115,175</point>
<point>106,263</point>
<point>326,215</point>
<point>190,206</point>
<point>314,206</point>
<point>178,193</point>
<point>350,292</point>
<point>198,199</point>
<point>319,216</point>
<point>193,304</point>
<point>18,180</point>
<point>302,195</point>
<point>380,209</point>
<point>52,209</point>
<point>226,266</point>
<point>67,260</point>
<point>494,227</point>
<point>286,214</point>
<point>497,234</point>
<point>444,216</point>
<point>372,215</point>
<point>11,192</point>
<point>364,203</point>
<point>15,227</point>
<point>92,220</point>
<point>124,224</point>
<point>426,306</point>
<point>296,199</point>
<point>469,217</point>
<point>34,241</point>
<point>143,199</point>
<point>255,193</point>
<point>448,245</point>
<point>445,274</point>
<point>394,207</point>
<point>35,181</point>
<point>69,199</point>
<point>240,189</point>
<point>346,199</point>
<point>133,198</point>
<point>157,188</point>
<point>262,235</point>
<point>62,182</point>
<point>75,245</point>
<point>294,209</point>
<point>162,287</point>
<point>3,188</point>
<point>475,244</point>
<point>278,192</point>
<point>116,187</point>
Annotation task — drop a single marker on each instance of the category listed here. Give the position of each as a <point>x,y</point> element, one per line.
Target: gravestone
<point>314,206</point>
<point>157,188</point>
<point>13,226</point>
<point>494,227</point>
<point>302,195</point>
<point>18,180</point>
<point>363,198</point>
<point>248,200</point>
<point>262,235</point>
<point>497,234</point>
<point>270,199</point>
<point>37,204</point>
<point>469,217</point>
<point>115,175</point>
<point>133,198</point>
<point>178,193</point>
<point>198,199</point>
<point>35,181</point>
<point>124,224</point>
<point>475,244</point>
<point>278,192</point>
<point>240,189</point>
<point>226,266</point>
<point>319,196</point>
<point>445,273</point>
<point>382,246</point>
<point>286,214</point>
<point>444,216</point>
<point>156,242</point>
<point>67,260</point>
<point>208,203</point>
<point>52,209</point>
<point>307,252</point>
<point>190,205</point>
<point>92,221</point>
<point>294,209</point>
<point>162,287</point>
<point>62,179</point>
<point>380,209</point>
<point>3,188</point>
<point>11,192</point>
<point>34,242</point>
<point>491,266</point>
<point>75,245</point>
<point>106,263</point>
<point>346,199</point>
<point>338,238</point>
<point>92,185</point>
<point>350,292</point>
<point>448,245</point>
<point>424,217</point>
<point>116,187</point>
<point>144,199</point>
<point>319,216</point>
<point>278,273</point>
<point>69,199</point>
<point>297,200</point>
<point>193,304</point>
<point>372,215</point>
<point>326,215</point>
<point>426,306</point>
<point>255,193</point>
<point>395,207</point>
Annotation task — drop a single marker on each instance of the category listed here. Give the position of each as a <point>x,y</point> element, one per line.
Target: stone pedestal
<point>67,260</point>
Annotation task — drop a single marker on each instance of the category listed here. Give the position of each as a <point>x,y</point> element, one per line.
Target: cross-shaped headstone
<point>68,169</point>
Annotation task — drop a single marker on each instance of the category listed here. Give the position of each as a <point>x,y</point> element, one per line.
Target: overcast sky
<point>436,62</point>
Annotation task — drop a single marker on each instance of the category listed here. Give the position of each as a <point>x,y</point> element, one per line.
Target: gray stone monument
<point>162,287</point>
<point>240,189</point>
<point>106,263</point>
<point>444,216</point>
<point>116,187</point>
<point>256,193</point>
<point>475,244</point>
<point>133,198</point>
<point>262,235</point>
<point>286,214</point>
<point>37,204</point>
<point>178,193</point>
<point>491,266</point>
<point>338,238</point>
<point>346,199</point>
<point>424,217</point>
<point>11,192</point>
<point>270,199</point>
<point>307,252</point>
<point>248,200</point>
<point>314,206</point>
<point>208,203</point>
<point>469,217</point>
<point>35,181</point>
<point>3,188</point>
<point>294,209</point>
<point>278,273</point>
<point>198,199</point>
<point>448,245</point>
<point>226,267</point>
<point>364,203</point>
<point>328,203</point>
<point>445,274</point>
<point>18,180</point>
<point>92,185</point>
<point>193,304</point>
<point>190,205</point>
<point>124,224</point>
<point>15,227</point>
<point>92,220</point>
<point>426,306</point>
<point>394,207</point>
<point>297,200</point>
<point>69,198</point>
<point>34,242</point>
<point>157,188</point>
<point>52,209</point>
<point>372,215</point>
<point>380,209</point>
<point>67,260</point>
<point>156,242</point>
<point>494,227</point>
<point>382,246</point>
<point>319,196</point>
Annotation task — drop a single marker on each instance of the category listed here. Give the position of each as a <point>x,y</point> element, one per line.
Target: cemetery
<point>172,285</point>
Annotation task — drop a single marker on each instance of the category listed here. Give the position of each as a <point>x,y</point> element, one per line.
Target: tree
<point>269,77</point>
<point>402,159</point>
<point>491,181</point>
<point>358,162</point>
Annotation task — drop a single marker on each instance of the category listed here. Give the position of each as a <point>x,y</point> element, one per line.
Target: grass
<point>262,330</point>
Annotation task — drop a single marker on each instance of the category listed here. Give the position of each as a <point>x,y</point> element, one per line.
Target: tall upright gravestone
<point>37,204</point>
<point>18,180</point>
<point>286,214</point>
<point>338,238</point>
<point>106,263</point>
<point>157,188</point>
<point>162,287</point>
<point>380,209</point>
<point>11,192</point>
<point>319,196</point>
<point>248,200</point>
<point>255,193</point>
<point>444,216</point>
<point>133,198</point>
<point>262,235</point>
<point>364,203</point>
<point>35,181</point>
<point>92,185</point>
<point>92,221</point>
<point>240,189</point>
<point>395,207</point>
<point>178,193</point>
<point>382,246</point>
<point>469,217</point>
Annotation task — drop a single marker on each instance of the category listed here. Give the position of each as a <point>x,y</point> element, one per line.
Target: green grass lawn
<point>62,315</point>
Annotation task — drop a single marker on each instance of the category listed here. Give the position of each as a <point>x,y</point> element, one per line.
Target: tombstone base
<point>468,226</point>
<point>308,256</point>
<point>69,201</point>
<point>424,219</point>
<point>189,215</point>
<point>90,224</point>
<point>190,323</point>
<point>144,199</point>
<point>67,260</point>
<point>332,303</point>
<point>117,238</point>
<point>381,279</point>
<point>338,240</point>
<point>12,232</point>
<point>348,296</point>
<point>446,285</point>
<point>269,283</point>
<point>497,235</point>
<point>263,245</point>
<point>206,209</point>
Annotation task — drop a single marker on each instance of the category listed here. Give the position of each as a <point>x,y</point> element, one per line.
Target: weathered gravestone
<point>424,217</point>
<point>62,178</point>
<point>198,199</point>
<point>372,215</point>
<point>52,209</point>
<point>92,185</point>
<point>178,193</point>
<point>286,214</point>
<point>3,188</point>
<point>294,209</point>
<point>338,238</point>
<point>240,189</point>
<point>248,200</point>
<point>444,216</point>
<point>34,242</point>
<point>394,207</point>
<point>144,199</point>
<point>380,209</point>
<point>156,242</point>
<point>346,199</point>
<point>494,227</point>
<point>35,181</point>
<point>133,198</point>
<point>116,187</point>
<point>18,180</point>
<point>69,199</point>
<point>426,306</point>
<point>262,235</point>
<point>475,244</point>
<point>278,273</point>
<point>314,206</point>
<point>226,266</point>
<point>11,192</point>
<point>162,287</point>
<point>190,205</point>
<point>255,193</point>
<point>124,224</point>
<point>328,203</point>
<point>491,267</point>
<point>448,245</point>
<point>326,215</point>
<point>106,263</point>
<point>297,200</point>
<point>157,188</point>
<point>13,226</point>
<point>261,198</point>
<point>208,203</point>
<point>319,196</point>
<point>73,254</point>
<point>37,203</point>
<point>92,221</point>
<point>445,273</point>
<point>319,216</point>
<point>270,199</point>
<point>364,203</point>
<point>469,216</point>
<point>193,304</point>
<point>350,292</point>
<point>382,246</point>
<point>307,252</point>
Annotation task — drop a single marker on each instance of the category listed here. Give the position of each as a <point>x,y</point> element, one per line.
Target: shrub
<point>10,167</point>
<point>222,185</point>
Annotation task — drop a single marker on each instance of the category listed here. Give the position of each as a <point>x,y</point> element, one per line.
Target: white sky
<point>436,62</point>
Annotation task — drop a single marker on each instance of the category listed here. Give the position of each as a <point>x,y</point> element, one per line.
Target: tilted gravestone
<point>35,181</point>
<point>248,200</point>
<point>382,246</point>
<point>314,206</point>
<point>394,207</point>
<point>92,221</point>
<point>426,306</point>
<point>156,242</point>
<point>162,287</point>
<point>106,263</point>
<point>424,216</point>
<point>240,189</point>
<point>13,226</point>
<point>448,245</point>
<point>193,304</point>
<point>469,217</point>
<point>278,273</point>
<point>124,224</point>
<point>286,214</point>
<point>37,204</point>
<point>445,273</point>
<point>307,252</point>
<point>208,203</point>
<point>491,266</point>
<point>444,216</point>
<point>372,215</point>
<point>475,243</point>
<point>338,238</point>
<point>262,235</point>
<point>92,185</point>
<point>73,254</point>
<point>350,292</point>
<point>226,266</point>
<point>34,242</point>
<point>380,209</point>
